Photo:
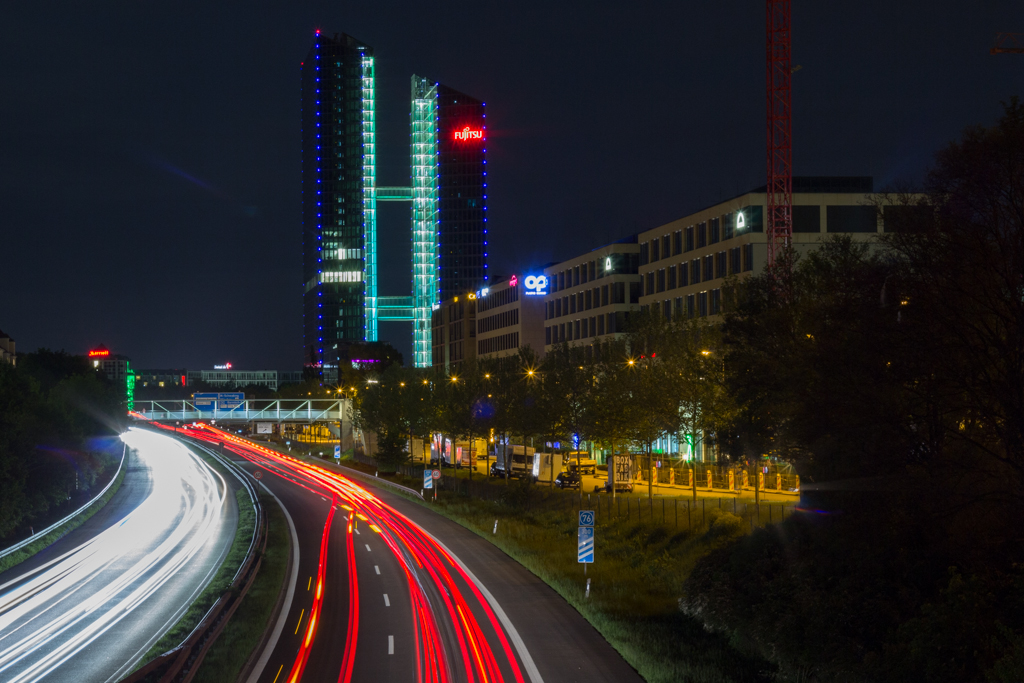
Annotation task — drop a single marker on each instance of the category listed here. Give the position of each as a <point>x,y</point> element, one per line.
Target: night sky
<point>149,151</point>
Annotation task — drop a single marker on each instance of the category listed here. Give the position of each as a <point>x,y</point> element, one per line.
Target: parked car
<point>567,480</point>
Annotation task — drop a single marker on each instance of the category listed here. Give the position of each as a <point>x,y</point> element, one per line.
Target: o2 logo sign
<point>536,285</point>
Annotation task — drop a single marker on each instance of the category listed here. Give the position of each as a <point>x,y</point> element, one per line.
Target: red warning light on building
<point>468,133</point>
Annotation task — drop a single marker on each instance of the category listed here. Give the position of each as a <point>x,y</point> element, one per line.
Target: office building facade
<point>684,264</point>
<point>591,296</point>
<point>338,200</point>
<point>510,315</point>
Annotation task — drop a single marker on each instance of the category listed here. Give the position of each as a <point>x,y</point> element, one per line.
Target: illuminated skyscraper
<point>448,193</point>
<point>338,201</point>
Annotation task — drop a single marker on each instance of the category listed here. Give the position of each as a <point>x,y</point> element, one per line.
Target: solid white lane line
<point>391,645</point>
<point>387,603</point>
<point>376,569</point>
<point>257,670</point>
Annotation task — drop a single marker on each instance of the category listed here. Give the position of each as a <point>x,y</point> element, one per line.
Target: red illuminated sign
<point>513,282</point>
<point>468,134</point>
<point>99,353</point>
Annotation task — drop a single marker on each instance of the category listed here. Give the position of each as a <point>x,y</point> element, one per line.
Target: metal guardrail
<point>250,410</point>
<point>40,534</point>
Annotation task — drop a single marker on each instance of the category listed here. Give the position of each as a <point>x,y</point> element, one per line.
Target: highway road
<point>377,596</point>
<point>91,605</point>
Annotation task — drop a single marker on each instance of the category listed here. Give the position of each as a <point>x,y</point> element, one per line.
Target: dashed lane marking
<point>387,603</point>
<point>368,548</point>
<point>391,645</point>
<point>376,569</point>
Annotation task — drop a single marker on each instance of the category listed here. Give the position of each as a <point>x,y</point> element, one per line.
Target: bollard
<point>495,527</point>
<point>588,589</point>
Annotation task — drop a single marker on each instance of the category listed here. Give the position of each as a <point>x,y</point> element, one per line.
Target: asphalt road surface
<point>387,590</point>
<point>91,605</point>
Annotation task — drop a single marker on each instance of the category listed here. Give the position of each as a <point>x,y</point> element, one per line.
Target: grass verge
<point>49,539</point>
<point>245,629</point>
<point>636,582</point>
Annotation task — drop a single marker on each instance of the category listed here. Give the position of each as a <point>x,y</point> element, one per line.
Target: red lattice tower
<point>779,223</point>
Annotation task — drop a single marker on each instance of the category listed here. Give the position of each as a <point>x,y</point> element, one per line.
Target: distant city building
<point>290,377</point>
<point>232,379</point>
<point>7,354</point>
<point>161,378</point>
<point>117,368</point>
<point>684,263</point>
<point>510,315</point>
<point>591,296</point>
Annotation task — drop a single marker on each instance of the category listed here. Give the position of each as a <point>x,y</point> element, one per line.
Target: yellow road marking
<point>300,621</point>
<point>278,673</point>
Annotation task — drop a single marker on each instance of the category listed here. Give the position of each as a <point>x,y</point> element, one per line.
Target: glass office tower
<point>338,198</point>
<point>461,193</point>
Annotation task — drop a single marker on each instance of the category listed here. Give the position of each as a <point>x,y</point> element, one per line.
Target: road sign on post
<point>428,480</point>
<point>585,538</point>
<point>337,452</point>
<point>585,545</point>
<point>437,474</point>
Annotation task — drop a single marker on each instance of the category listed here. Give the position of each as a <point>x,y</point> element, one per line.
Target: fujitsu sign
<point>469,134</point>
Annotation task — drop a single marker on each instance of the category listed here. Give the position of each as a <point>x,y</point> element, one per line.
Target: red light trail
<point>420,556</point>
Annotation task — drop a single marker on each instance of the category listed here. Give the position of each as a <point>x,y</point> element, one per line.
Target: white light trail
<point>49,615</point>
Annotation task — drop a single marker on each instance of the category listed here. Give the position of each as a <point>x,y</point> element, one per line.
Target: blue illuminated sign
<point>536,285</point>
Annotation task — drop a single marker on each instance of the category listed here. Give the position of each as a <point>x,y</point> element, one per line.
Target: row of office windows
<point>605,295</point>
<point>495,299</point>
<point>584,328</point>
<point>498,320</point>
<point>701,235</point>
<point>697,305</point>
<point>713,266</point>
<point>612,264</point>
<point>502,342</point>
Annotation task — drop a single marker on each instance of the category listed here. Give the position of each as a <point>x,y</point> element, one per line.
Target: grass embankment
<point>244,631</point>
<point>60,532</point>
<point>221,581</point>
<point>636,582</point>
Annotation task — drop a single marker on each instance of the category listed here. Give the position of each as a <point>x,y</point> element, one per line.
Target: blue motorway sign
<point>586,518</point>
<point>204,402</point>
<point>230,401</point>
<point>428,479</point>
<point>585,544</point>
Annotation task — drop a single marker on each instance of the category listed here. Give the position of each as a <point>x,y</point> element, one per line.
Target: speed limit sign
<point>258,474</point>
<point>437,474</point>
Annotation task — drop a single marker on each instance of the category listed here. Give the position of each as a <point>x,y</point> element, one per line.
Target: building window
<point>716,301</point>
<point>713,227</point>
<point>575,276</point>
<point>618,292</point>
<point>666,308</point>
<point>709,267</point>
<point>702,304</point>
<point>677,243</point>
<point>689,238</point>
<point>691,306</point>
<point>576,329</point>
<point>655,251</point>
<point>588,301</point>
<point>720,264</point>
<point>727,227</point>
<point>694,271</point>
<point>702,235</point>
<point>748,257</point>
<point>664,246</point>
<point>561,280</point>
<point>734,260</point>
<point>661,280</point>
<point>604,295</point>
<point>807,218</point>
<point>678,308</point>
<point>584,325</point>
<point>671,284</point>
<point>649,283</point>
<point>852,219</point>
<point>684,274</point>
<point>600,324</point>
<point>547,335</point>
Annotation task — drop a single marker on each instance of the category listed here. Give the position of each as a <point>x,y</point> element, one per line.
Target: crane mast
<point>779,223</point>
